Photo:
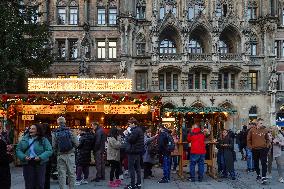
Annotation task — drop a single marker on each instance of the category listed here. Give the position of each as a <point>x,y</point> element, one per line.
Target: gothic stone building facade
<point>189,51</point>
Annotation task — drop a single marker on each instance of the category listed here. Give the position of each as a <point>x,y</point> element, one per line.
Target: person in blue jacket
<point>34,151</point>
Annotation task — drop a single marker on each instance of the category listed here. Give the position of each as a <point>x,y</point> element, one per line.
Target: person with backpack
<point>197,152</point>
<point>150,152</point>
<point>134,148</point>
<point>83,156</point>
<point>34,151</point>
<point>99,149</point>
<point>166,146</point>
<point>64,143</point>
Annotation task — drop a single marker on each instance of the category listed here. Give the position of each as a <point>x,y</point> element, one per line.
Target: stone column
<point>273,108</point>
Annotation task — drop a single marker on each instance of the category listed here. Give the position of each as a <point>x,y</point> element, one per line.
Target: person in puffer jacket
<point>197,152</point>
<point>83,156</point>
<point>134,149</point>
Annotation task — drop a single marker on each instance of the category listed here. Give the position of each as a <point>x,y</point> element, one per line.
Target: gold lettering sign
<point>44,109</point>
<point>28,117</point>
<point>85,108</point>
<point>79,85</point>
<point>125,109</point>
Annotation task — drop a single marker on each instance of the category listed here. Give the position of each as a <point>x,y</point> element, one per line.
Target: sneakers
<point>281,180</point>
<point>263,180</point>
<point>112,184</point>
<point>129,187</point>
<point>191,179</point>
<point>258,177</point>
<point>163,181</point>
<point>84,181</point>
<point>138,186</point>
<point>78,183</point>
<point>121,177</point>
<point>269,176</point>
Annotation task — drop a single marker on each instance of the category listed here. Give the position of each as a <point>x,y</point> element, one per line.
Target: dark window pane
<point>161,82</point>
<point>175,82</point>
<point>226,80</point>
<point>204,81</point>
<point>190,81</point>
<point>219,81</point>
<point>168,81</point>
<point>197,81</point>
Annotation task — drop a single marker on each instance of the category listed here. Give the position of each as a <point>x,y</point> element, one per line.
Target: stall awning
<point>202,109</point>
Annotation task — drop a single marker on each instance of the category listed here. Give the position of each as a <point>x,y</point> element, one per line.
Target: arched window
<point>167,47</point>
<point>195,47</point>
<point>223,47</point>
<point>61,12</point>
<point>140,44</point>
<point>73,13</point>
<point>196,8</point>
<point>253,45</point>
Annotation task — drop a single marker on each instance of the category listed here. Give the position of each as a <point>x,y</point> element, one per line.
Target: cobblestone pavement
<point>244,181</point>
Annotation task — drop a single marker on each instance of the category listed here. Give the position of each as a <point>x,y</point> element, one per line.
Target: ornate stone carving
<point>113,3</point>
<point>168,57</point>
<point>273,77</point>
<point>122,68</point>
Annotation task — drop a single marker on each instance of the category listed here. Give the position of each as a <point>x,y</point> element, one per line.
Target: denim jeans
<point>166,167</point>
<point>197,159</point>
<point>134,166</point>
<point>175,161</point>
<point>250,164</point>
<point>224,168</point>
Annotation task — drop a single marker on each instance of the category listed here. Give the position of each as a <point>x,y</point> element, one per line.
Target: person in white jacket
<point>278,142</point>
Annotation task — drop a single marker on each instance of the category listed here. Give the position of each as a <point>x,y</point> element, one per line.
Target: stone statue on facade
<point>273,81</point>
<point>122,68</point>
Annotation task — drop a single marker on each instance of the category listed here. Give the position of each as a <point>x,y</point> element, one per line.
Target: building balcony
<point>231,57</point>
<point>170,57</point>
<point>200,57</point>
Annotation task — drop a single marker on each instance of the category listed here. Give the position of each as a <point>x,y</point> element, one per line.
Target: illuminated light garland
<point>79,85</point>
<point>7,102</point>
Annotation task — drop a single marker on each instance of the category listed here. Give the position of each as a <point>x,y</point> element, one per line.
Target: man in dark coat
<point>5,159</point>
<point>134,149</point>
<point>99,148</point>
<point>166,154</point>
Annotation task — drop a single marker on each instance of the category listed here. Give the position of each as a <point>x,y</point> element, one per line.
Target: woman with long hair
<point>34,151</point>
<point>226,151</point>
<point>113,156</point>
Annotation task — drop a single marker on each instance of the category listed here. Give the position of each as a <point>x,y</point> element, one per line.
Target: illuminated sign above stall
<point>79,85</point>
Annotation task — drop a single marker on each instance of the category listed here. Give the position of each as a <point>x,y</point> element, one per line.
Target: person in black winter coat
<point>83,156</point>
<point>99,149</point>
<point>134,149</point>
<point>166,154</point>
<point>5,159</point>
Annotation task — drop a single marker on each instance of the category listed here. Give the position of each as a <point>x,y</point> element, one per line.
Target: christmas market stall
<point>212,121</point>
<point>109,109</point>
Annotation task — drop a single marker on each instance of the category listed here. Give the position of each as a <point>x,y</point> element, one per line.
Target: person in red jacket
<point>197,152</point>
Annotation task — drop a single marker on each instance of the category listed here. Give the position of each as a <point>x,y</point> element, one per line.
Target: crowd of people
<point>129,151</point>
